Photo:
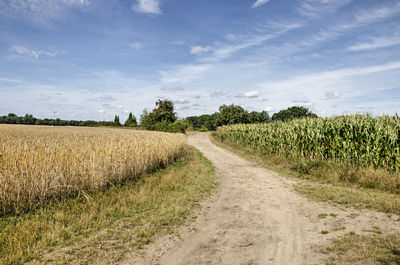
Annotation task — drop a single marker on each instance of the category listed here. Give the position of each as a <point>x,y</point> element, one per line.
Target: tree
<point>131,121</point>
<point>294,112</point>
<point>116,121</point>
<point>232,114</point>
<point>161,118</point>
<point>258,117</point>
<point>164,111</point>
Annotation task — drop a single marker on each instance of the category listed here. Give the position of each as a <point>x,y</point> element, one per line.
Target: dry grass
<point>101,227</point>
<point>354,197</point>
<point>38,164</point>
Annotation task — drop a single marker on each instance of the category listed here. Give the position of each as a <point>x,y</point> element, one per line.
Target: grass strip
<point>317,186</point>
<point>364,249</point>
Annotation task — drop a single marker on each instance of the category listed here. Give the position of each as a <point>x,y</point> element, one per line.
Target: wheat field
<point>40,163</point>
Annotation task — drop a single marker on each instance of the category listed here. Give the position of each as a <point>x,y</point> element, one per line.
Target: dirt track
<point>255,218</point>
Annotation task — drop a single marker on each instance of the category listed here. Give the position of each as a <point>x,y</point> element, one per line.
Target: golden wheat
<point>42,163</point>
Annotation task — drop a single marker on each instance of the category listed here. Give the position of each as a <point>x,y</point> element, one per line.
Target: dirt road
<point>255,218</point>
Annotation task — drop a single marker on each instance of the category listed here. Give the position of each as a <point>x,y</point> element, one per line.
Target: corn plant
<point>356,140</point>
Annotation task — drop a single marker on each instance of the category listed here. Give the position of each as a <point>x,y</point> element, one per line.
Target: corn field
<point>356,140</point>
<point>42,163</point>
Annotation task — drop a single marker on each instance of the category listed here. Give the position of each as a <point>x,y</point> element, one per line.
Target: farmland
<point>73,195</point>
<point>357,149</point>
<point>38,164</point>
<point>354,140</point>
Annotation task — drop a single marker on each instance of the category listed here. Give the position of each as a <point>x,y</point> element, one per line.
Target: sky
<point>93,59</point>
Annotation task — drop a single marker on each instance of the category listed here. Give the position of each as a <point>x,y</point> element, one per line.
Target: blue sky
<point>92,59</point>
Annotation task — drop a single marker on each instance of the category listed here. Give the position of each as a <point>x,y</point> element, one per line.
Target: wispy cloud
<point>370,15</point>
<point>239,42</point>
<point>173,89</point>
<point>249,94</point>
<point>259,3</point>
<point>135,45</point>
<point>332,95</point>
<point>33,53</point>
<point>331,75</point>
<point>313,8</point>
<point>361,18</point>
<point>219,93</point>
<point>76,2</point>
<point>302,103</point>
<point>317,87</point>
<point>38,11</point>
<point>375,43</point>
<point>199,49</point>
<point>147,7</point>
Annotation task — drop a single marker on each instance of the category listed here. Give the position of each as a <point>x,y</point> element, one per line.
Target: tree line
<point>28,119</point>
<point>164,118</point>
<point>234,114</point>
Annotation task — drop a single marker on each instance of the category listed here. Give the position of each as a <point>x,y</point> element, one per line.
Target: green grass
<point>364,250</point>
<point>103,226</point>
<point>322,216</point>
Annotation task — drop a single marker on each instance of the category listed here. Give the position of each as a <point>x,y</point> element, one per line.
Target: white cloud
<point>199,49</point>
<point>135,45</point>
<point>259,3</point>
<point>249,94</point>
<point>148,7</point>
<point>268,109</point>
<point>181,101</point>
<point>106,98</point>
<point>101,111</point>
<point>376,43</point>
<point>33,53</point>
<point>332,95</point>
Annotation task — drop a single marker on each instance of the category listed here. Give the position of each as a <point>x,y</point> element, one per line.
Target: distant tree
<point>164,111</point>
<point>131,121</point>
<point>258,117</point>
<point>29,119</point>
<point>294,112</point>
<point>116,121</point>
<point>147,120</point>
<point>194,121</point>
<point>232,114</point>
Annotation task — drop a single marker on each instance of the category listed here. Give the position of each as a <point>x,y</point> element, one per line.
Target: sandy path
<point>253,221</point>
<point>255,218</point>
